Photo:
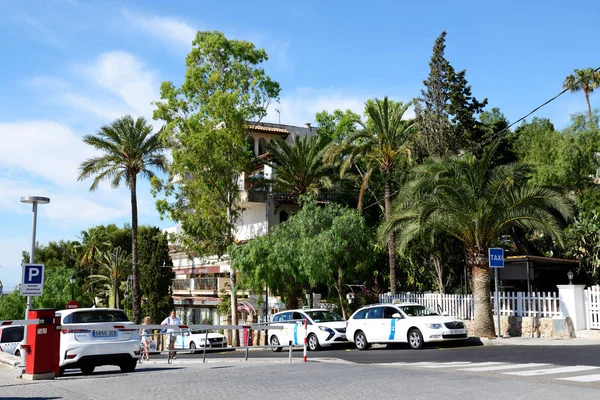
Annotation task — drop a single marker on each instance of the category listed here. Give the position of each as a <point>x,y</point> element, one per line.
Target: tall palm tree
<point>299,167</point>
<point>93,241</point>
<point>585,80</point>
<point>112,266</point>
<point>475,202</point>
<point>130,148</point>
<point>383,144</point>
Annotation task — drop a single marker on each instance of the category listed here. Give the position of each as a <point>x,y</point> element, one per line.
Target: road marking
<point>502,367</point>
<point>549,371</point>
<point>444,365</point>
<point>585,378</point>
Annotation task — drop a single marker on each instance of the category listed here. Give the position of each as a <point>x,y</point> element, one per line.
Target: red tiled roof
<point>269,129</point>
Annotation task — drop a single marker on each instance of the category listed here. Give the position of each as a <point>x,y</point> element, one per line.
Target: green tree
<point>586,81</point>
<point>383,145</point>
<point>111,274</point>
<point>319,245</point>
<point>206,121</point>
<point>130,148</point>
<point>299,167</point>
<point>475,202</point>
<point>445,112</point>
<point>337,125</point>
<point>156,273</point>
<point>93,242</point>
<point>584,237</point>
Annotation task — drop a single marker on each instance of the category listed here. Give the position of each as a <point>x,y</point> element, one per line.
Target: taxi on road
<point>401,323</point>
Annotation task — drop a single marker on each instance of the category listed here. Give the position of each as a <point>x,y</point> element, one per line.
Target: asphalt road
<point>472,351</point>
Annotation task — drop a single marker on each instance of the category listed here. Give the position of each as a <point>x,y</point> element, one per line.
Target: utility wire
<point>493,136</point>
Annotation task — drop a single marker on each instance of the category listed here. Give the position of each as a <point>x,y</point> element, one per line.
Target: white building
<point>198,281</point>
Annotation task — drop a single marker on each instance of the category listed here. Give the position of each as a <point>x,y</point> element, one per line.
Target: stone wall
<point>531,327</point>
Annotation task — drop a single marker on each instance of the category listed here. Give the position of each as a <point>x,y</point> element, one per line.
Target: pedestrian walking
<point>146,335</point>
<point>172,319</point>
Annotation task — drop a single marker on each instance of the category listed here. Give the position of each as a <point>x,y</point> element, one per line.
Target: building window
<point>283,216</point>
<point>262,146</point>
<point>250,141</point>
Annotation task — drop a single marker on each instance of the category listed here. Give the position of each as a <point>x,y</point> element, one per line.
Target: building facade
<point>199,281</point>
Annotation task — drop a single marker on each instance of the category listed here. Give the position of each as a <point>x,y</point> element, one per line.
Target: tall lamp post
<point>72,279</point>
<point>35,200</point>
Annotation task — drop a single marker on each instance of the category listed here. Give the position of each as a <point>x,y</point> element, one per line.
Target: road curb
<point>9,359</point>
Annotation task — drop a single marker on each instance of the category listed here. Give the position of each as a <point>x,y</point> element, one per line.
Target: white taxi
<point>97,345</point>
<point>11,338</point>
<point>324,329</point>
<point>402,323</point>
<point>190,339</point>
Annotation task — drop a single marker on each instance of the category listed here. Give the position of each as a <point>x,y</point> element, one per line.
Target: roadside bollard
<point>291,343</point>
<point>305,340</point>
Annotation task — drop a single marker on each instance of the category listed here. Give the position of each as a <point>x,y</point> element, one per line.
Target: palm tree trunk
<point>391,240</point>
<point>587,99</point>
<point>340,290</point>
<point>135,301</point>
<point>477,261</point>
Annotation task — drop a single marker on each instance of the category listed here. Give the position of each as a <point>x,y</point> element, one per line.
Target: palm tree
<point>585,80</point>
<point>299,167</point>
<point>475,202</point>
<point>112,266</point>
<point>383,144</point>
<point>93,241</point>
<point>129,148</point>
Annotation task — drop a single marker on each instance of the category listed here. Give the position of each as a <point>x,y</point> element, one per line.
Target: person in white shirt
<point>172,319</point>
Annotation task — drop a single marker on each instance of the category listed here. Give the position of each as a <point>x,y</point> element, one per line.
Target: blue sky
<point>69,66</point>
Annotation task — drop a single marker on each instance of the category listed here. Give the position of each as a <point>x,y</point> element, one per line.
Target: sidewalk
<point>525,341</point>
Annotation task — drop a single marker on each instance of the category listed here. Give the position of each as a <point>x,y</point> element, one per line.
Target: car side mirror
<point>397,316</point>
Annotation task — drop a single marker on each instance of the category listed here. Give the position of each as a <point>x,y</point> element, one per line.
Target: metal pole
<point>204,350</point>
<point>290,356</point>
<point>31,261</point>
<point>267,315</point>
<point>497,300</point>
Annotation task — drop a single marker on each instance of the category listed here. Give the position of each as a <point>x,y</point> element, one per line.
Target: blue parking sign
<point>496,257</point>
<point>32,283</point>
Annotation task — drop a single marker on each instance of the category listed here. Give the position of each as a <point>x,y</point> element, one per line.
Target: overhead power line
<point>495,135</point>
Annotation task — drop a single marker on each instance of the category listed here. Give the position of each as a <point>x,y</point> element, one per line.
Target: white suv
<point>11,338</point>
<point>88,348</point>
<point>324,328</point>
<point>401,323</point>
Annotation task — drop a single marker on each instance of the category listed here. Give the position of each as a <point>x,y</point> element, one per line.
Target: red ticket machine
<point>43,345</point>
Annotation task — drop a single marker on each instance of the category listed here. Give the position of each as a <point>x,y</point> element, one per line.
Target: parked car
<point>195,339</point>
<point>401,323</point>
<point>88,348</point>
<point>324,328</point>
<point>11,338</point>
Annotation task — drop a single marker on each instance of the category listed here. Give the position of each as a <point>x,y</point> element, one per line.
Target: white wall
<point>252,223</point>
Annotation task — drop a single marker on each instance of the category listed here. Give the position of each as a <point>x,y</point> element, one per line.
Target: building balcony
<point>192,285</point>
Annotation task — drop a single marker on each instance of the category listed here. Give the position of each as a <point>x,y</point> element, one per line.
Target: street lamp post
<point>35,200</point>
<point>72,279</point>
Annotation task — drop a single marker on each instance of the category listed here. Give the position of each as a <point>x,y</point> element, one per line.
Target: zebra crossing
<point>571,373</point>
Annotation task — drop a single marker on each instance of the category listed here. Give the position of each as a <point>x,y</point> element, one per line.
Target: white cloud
<point>164,28</point>
<point>300,106</point>
<point>43,148</point>
<point>122,75</point>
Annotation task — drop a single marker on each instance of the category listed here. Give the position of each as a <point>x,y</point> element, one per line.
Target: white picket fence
<point>519,304</point>
<point>592,305</point>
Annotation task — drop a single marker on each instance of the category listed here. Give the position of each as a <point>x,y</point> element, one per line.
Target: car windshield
<point>201,331</point>
<point>418,311</point>
<point>83,317</point>
<point>324,316</point>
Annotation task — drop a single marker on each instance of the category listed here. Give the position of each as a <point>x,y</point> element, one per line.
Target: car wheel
<point>88,369</point>
<point>128,366</point>
<point>415,339</point>
<point>275,344</point>
<point>17,353</point>
<point>360,340</point>
<point>193,347</point>
<point>313,342</point>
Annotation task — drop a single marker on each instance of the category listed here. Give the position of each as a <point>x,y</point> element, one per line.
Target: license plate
<point>105,334</point>
<point>457,331</point>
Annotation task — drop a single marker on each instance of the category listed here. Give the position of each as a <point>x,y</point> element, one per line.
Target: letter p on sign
<point>33,280</point>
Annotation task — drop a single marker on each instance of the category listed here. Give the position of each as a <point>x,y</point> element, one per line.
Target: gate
<point>592,297</point>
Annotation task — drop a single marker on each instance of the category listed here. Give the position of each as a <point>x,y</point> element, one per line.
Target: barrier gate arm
<point>21,322</point>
